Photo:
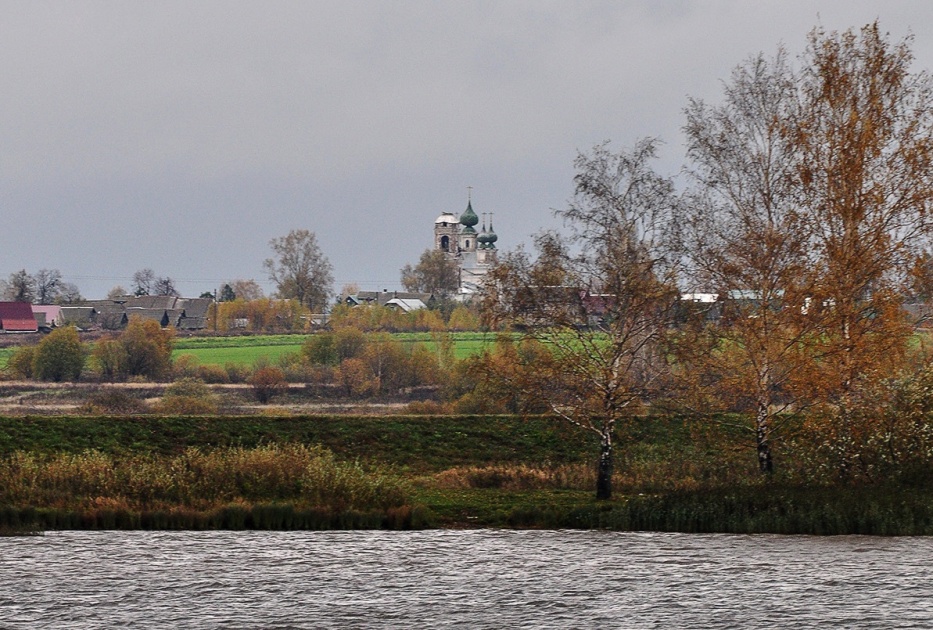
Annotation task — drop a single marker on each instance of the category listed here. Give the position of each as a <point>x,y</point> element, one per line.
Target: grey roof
<point>110,308</point>
<point>99,304</point>
<point>406,304</point>
<point>195,307</point>
<point>192,323</point>
<point>152,301</point>
<point>168,311</point>
<point>111,318</point>
<point>383,297</point>
<point>157,314</point>
<point>77,314</point>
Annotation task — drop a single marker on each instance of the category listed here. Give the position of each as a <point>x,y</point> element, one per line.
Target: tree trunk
<point>763,439</point>
<point>604,473</point>
<point>843,440</point>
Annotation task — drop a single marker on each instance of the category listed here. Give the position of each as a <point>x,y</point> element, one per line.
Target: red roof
<point>17,317</point>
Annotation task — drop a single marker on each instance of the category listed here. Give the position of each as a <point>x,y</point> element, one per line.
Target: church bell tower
<point>447,233</point>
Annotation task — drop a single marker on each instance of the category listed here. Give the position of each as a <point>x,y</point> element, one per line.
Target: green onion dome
<point>469,218</point>
<point>491,237</point>
<point>483,238</point>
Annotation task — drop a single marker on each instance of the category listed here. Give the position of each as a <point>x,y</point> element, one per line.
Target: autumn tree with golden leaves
<point>862,136</point>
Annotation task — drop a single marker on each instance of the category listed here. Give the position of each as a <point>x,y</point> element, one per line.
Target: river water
<point>462,579</point>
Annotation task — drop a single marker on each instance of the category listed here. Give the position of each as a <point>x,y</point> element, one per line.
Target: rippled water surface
<point>462,579</point>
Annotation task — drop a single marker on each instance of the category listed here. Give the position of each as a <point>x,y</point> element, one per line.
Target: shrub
<point>354,376</point>
<point>349,343</point>
<point>108,357</point>
<point>191,387</point>
<point>888,436</point>
<point>60,356</point>
<point>236,373</point>
<point>213,374</point>
<point>185,366</point>
<point>424,367</point>
<point>264,314</point>
<point>186,406</point>
<point>267,383</point>
<point>148,349</point>
<point>113,401</point>
<point>188,396</point>
<point>462,318</point>
<point>294,368</point>
<point>320,349</point>
<point>20,362</point>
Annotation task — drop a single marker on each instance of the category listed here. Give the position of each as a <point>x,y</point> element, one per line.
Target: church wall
<point>460,241</point>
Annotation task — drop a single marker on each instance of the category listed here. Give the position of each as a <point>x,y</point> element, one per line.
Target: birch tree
<point>598,298</point>
<point>300,270</point>
<point>863,136</point>
<point>746,242</point>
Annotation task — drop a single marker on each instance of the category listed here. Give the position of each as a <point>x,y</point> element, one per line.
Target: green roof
<point>469,218</point>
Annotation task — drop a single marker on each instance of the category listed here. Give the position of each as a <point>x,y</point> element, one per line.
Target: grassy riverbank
<point>400,472</point>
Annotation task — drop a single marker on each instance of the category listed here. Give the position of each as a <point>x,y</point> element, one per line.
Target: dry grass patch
<point>519,477</point>
<point>197,479</point>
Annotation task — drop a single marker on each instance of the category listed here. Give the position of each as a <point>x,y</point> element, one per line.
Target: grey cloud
<point>183,136</point>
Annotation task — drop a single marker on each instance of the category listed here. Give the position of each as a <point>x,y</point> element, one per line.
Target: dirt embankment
<point>21,398</point>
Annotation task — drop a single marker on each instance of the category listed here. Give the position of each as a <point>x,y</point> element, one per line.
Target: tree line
<point>46,286</point>
<point>344,362</point>
<point>808,204</point>
<point>299,270</point>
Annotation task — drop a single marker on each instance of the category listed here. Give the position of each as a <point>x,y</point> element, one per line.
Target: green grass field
<point>238,355</point>
<point>247,350</point>
<point>5,354</point>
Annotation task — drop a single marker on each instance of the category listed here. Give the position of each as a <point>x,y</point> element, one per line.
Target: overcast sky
<point>183,136</point>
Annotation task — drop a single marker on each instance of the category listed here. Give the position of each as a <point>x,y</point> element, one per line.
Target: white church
<point>474,252</point>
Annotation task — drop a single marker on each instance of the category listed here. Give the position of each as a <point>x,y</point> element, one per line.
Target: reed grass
<point>749,510</point>
<point>470,471</point>
<point>518,477</point>
<point>32,521</point>
<point>266,487</point>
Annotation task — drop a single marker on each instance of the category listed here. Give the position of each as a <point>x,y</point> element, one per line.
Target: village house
<point>17,317</point>
<point>47,315</point>
<point>406,305</point>
<point>180,313</point>
<point>382,298</point>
